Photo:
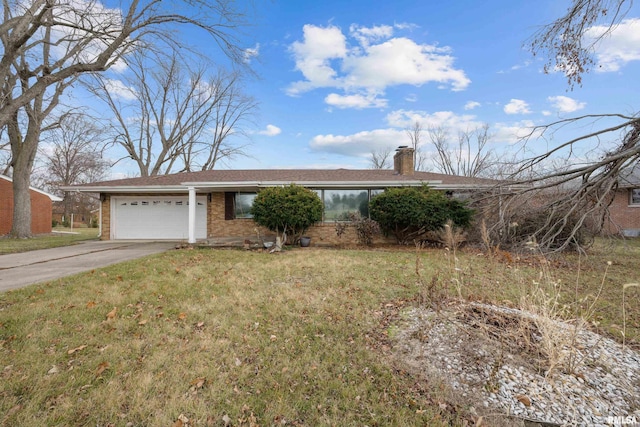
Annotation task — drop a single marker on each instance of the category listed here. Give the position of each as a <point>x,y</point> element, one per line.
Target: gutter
<point>235,185</point>
<point>127,189</point>
<point>310,184</point>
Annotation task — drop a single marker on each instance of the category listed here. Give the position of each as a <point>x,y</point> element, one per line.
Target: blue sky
<point>337,79</point>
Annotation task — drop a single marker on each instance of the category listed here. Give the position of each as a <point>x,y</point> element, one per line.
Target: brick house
<point>41,208</point>
<point>214,205</point>
<point>624,211</point>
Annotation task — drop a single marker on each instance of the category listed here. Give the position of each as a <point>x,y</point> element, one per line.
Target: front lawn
<point>60,237</point>
<point>231,337</point>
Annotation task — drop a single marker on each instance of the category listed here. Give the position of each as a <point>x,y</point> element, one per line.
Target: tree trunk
<point>21,227</point>
<point>23,155</point>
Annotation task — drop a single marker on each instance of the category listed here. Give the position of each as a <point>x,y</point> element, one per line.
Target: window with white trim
<point>634,196</point>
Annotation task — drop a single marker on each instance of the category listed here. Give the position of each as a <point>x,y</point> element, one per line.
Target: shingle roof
<point>300,176</point>
<point>630,177</point>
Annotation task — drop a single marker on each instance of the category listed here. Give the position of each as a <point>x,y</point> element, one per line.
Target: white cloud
<point>368,35</point>
<point>356,101</point>
<point>513,132</point>
<point>406,119</point>
<point>471,105</point>
<point>251,52</point>
<point>405,26</point>
<point>519,66</point>
<point>614,50</point>
<point>359,144</point>
<point>517,106</point>
<point>402,61</point>
<point>412,97</point>
<point>313,57</point>
<point>271,130</point>
<point>119,90</point>
<point>376,62</point>
<point>564,104</point>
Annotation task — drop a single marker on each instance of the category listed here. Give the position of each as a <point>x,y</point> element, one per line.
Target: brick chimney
<point>403,161</point>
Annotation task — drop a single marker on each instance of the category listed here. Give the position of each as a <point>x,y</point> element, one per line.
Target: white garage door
<point>156,218</point>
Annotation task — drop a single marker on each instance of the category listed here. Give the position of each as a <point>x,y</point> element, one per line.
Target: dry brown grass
<point>248,337</point>
<point>212,335</point>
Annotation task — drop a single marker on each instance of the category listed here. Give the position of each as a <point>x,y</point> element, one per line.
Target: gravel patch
<point>490,359</point>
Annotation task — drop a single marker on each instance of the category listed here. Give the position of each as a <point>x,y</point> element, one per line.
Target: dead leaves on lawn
<point>197,384</point>
<point>74,350</point>
<point>112,313</point>
<point>101,368</point>
<point>181,421</point>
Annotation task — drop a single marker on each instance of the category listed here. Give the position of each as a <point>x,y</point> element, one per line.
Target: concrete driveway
<point>27,268</point>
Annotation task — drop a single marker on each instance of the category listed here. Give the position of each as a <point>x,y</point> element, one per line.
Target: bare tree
<point>173,119</point>
<point>74,156</point>
<point>563,42</point>
<point>47,44</point>
<point>415,139</point>
<point>380,159</point>
<point>439,137</point>
<point>5,154</point>
<point>219,141</point>
<point>470,156</point>
<point>581,192</point>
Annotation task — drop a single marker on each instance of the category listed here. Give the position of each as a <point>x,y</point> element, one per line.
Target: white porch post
<point>192,215</point>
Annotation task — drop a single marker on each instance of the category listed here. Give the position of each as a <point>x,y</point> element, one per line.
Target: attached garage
<point>156,217</point>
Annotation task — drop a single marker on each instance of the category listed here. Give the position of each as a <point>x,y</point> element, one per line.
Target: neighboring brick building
<point>214,205</point>
<point>624,211</point>
<point>41,208</point>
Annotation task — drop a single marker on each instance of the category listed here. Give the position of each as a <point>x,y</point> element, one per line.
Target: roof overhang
<point>128,189</point>
<point>257,185</point>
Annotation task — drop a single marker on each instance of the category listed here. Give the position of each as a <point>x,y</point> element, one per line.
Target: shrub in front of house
<point>410,212</point>
<point>291,210</point>
<point>365,228</point>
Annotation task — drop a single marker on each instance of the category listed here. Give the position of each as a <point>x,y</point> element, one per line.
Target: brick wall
<point>105,202</point>
<point>321,234</point>
<point>218,227</point>
<point>40,210</point>
<point>623,216</point>
<point>6,206</point>
<point>41,213</point>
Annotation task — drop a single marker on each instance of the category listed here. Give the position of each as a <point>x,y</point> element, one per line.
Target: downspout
<point>100,217</point>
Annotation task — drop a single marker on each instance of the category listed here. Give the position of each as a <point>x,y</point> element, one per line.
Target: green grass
<point>298,338</point>
<point>54,240</point>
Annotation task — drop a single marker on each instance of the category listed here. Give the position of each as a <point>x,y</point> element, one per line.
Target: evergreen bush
<point>289,210</point>
<point>410,212</point>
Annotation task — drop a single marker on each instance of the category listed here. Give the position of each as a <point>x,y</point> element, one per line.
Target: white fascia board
<point>239,185</point>
<point>311,184</point>
<point>129,189</point>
